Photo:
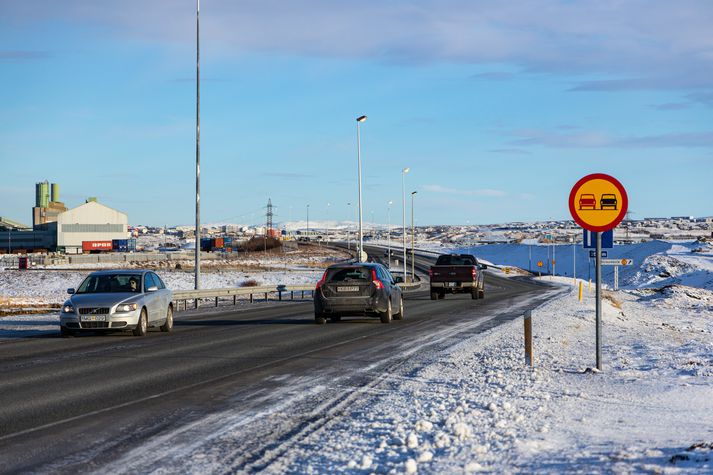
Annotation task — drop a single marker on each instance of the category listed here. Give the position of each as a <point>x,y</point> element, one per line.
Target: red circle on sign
<point>573,207</point>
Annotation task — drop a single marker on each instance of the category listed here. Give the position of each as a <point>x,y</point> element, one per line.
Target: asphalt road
<point>69,404</point>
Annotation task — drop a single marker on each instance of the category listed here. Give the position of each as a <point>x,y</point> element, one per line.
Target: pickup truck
<point>457,273</point>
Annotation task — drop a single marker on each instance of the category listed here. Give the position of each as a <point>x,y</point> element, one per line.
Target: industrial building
<point>56,228</point>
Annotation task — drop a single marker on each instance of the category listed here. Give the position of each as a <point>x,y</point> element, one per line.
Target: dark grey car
<point>358,289</point>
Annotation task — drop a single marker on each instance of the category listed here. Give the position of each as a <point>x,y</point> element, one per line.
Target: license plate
<point>93,318</point>
<point>348,289</point>
<point>451,284</point>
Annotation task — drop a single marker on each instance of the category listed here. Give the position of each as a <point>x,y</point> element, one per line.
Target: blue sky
<point>498,108</point>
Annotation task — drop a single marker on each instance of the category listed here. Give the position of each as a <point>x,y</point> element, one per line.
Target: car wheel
<point>400,315</point>
<point>481,293</point>
<point>65,332</point>
<point>142,325</point>
<point>386,316</point>
<point>168,325</point>
<point>434,295</point>
<point>441,295</point>
<point>319,319</point>
<point>475,295</point>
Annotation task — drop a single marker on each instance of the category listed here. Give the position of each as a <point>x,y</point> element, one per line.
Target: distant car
<point>358,289</point>
<point>608,201</point>
<point>115,300</point>
<point>587,201</point>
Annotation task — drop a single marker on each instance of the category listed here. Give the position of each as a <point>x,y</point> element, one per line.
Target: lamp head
<point>361,118</point>
<point>414,192</point>
<point>406,170</point>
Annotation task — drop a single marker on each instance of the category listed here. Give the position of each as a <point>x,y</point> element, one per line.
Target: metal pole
<point>197,277</point>
<point>599,301</point>
<point>574,260</point>
<point>388,234</point>
<point>361,235</point>
<point>349,243</point>
<point>529,258</point>
<point>413,238</point>
<point>308,222</point>
<point>403,217</point>
<point>553,255</point>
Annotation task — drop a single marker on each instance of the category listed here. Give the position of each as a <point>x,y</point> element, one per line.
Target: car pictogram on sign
<point>587,201</point>
<point>608,201</point>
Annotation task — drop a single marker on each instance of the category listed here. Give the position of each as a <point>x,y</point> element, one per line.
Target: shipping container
<point>227,241</point>
<point>96,246</point>
<point>123,245</point>
<point>219,242</point>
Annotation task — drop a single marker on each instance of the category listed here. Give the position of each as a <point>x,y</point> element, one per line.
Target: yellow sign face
<point>598,202</point>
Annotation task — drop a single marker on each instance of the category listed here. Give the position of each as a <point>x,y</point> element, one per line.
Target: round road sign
<point>598,202</point>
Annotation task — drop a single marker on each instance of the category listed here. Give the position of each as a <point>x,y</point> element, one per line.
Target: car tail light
<point>474,272</point>
<point>321,281</point>
<point>377,283</point>
<point>430,272</point>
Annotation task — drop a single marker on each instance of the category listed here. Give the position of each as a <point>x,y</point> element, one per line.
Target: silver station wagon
<point>115,300</point>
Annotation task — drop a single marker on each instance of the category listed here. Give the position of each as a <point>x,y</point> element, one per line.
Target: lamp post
<point>307,221</point>
<point>197,276</point>
<point>413,239</point>
<point>349,244</point>
<point>359,120</point>
<point>403,213</point>
<point>388,233</point>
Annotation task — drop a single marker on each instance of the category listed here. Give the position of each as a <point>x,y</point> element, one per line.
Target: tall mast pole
<point>198,149</point>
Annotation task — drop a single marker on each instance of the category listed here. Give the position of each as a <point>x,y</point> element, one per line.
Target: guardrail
<point>183,296</point>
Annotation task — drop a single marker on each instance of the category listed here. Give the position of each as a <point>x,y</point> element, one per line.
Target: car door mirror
<point>482,266</point>
<point>70,291</point>
<point>153,288</point>
<point>398,279</point>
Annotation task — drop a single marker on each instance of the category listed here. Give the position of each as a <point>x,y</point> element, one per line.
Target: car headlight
<point>126,307</point>
<point>67,309</point>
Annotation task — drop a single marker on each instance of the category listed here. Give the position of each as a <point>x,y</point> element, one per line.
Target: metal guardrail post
<point>265,296</point>
<point>216,301</point>
<point>251,298</point>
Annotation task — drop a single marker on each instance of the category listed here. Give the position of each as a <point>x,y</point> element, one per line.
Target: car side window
<point>148,281</point>
<point>158,281</point>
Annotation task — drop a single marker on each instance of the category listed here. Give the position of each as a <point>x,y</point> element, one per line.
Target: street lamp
<point>403,213</point>
<point>197,270</point>
<point>359,120</point>
<point>413,239</point>
<point>388,232</point>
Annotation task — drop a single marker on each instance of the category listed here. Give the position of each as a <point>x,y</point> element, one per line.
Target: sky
<point>497,108</point>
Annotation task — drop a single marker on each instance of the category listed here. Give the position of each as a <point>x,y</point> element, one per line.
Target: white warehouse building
<point>90,222</point>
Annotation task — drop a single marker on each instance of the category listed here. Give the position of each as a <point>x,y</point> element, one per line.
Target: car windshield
<point>110,283</point>
<point>349,274</point>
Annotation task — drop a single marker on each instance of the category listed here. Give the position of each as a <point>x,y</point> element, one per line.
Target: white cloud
<point>637,44</point>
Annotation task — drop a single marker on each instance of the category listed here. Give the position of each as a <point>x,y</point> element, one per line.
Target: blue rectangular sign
<point>589,239</point>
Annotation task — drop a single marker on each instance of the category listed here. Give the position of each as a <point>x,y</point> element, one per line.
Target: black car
<point>359,289</point>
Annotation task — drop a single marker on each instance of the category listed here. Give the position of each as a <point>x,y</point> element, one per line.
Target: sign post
<point>598,203</point>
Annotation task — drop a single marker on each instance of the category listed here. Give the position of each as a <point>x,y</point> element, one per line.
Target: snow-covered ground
<point>476,407</point>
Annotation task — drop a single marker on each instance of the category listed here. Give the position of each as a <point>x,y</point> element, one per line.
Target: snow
<point>475,406</point>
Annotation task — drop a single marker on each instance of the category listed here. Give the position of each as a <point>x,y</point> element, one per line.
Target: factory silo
<point>55,193</point>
